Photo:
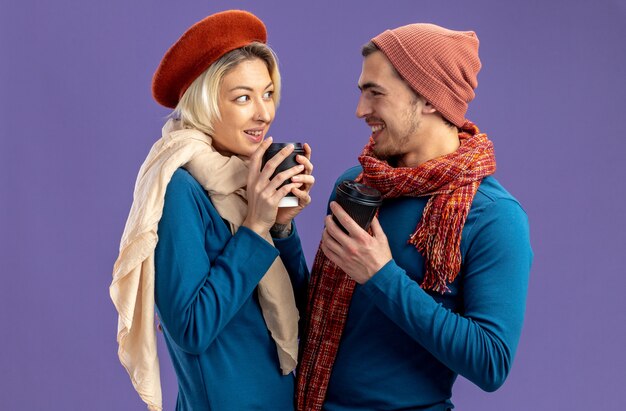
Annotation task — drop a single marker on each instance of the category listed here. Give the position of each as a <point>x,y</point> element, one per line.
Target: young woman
<point>226,263</point>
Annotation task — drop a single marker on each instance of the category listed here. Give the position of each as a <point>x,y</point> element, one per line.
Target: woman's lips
<point>255,134</point>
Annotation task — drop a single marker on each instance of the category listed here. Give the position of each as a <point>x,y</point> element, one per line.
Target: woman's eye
<point>268,94</point>
<point>242,99</point>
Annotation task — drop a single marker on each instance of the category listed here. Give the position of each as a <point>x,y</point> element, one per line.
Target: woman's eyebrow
<point>270,84</point>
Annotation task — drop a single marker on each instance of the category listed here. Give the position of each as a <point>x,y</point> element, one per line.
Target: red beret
<point>199,47</point>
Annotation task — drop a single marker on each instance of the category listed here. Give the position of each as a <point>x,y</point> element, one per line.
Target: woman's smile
<point>246,107</point>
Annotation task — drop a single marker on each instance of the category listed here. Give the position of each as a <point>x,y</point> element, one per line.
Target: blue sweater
<point>205,295</point>
<point>403,347</point>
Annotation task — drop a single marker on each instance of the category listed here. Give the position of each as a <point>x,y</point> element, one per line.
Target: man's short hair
<point>368,49</point>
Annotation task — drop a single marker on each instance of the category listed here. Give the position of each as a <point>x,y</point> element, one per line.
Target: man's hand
<point>359,254</point>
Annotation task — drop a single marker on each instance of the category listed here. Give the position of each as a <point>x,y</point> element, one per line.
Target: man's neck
<point>438,139</point>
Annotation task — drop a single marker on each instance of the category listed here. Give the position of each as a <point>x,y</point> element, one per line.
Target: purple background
<point>77,120</point>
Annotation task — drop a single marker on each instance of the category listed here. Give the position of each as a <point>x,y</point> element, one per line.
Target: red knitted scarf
<point>451,181</point>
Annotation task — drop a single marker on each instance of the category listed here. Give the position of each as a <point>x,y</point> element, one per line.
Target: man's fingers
<point>329,243</point>
<point>331,255</point>
<point>335,231</point>
<point>377,229</point>
<point>346,221</point>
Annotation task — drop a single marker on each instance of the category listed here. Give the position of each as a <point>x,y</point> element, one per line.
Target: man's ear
<point>428,108</point>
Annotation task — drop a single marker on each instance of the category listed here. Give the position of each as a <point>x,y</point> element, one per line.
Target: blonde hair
<point>199,106</point>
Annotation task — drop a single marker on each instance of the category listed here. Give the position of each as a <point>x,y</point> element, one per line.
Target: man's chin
<point>389,158</point>
<point>380,152</point>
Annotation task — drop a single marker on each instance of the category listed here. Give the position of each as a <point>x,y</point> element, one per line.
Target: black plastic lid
<point>279,146</point>
<point>361,193</point>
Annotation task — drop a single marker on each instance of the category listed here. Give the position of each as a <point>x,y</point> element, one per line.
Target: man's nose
<point>362,108</point>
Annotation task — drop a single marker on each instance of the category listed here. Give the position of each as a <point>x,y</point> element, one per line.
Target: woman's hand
<point>263,194</point>
<point>286,214</point>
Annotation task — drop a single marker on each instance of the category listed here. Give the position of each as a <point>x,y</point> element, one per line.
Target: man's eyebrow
<point>370,85</point>
<point>270,84</point>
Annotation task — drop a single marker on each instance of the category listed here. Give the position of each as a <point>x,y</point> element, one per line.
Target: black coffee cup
<point>289,200</point>
<point>360,201</point>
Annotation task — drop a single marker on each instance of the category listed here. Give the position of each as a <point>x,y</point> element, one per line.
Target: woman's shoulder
<point>183,188</point>
<point>182,177</point>
<point>185,198</point>
<point>183,182</point>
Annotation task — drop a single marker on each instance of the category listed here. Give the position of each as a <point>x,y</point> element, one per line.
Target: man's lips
<point>377,128</point>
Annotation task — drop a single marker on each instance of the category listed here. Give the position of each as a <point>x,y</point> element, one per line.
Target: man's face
<point>390,108</point>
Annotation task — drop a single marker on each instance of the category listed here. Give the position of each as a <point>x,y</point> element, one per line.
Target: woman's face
<point>246,107</point>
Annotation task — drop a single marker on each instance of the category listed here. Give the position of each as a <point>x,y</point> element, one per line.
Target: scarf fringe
<point>451,181</point>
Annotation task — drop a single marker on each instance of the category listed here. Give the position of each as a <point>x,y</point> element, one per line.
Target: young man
<point>439,286</point>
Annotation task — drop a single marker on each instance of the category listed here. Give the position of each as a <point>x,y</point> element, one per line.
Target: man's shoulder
<point>496,219</point>
<point>491,191</point>
<point>493,203</point>
<point>350,174</point>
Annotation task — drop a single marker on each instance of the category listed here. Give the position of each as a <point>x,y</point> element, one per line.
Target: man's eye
<point>375,93</point>
<point>268,95</point>
<point>242,99</point>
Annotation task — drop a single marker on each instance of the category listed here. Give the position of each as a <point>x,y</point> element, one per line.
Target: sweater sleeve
<point>480,342</point>
<point>203,275</point>
<point>291,254</point>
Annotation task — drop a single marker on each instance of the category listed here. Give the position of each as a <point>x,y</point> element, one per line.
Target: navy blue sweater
<point>206,300</point>
<point>403,347</point>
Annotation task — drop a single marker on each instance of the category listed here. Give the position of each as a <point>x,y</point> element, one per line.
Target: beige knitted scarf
<point>132,289</point>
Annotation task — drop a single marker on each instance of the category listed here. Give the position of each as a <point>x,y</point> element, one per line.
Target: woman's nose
<point>263,112</point>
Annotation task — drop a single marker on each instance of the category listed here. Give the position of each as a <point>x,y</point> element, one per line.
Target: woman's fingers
<point>305,159</point>
<point>284,190</point>
<point>304,199</point>
<point>307,151</point>
<point>283,176</point>
<point>257,157</point>
<point>307,179</point>
<point>272,163</point>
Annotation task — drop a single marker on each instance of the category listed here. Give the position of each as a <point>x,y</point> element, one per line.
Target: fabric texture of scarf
<point>132,289</point>
<point>451,181</point>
